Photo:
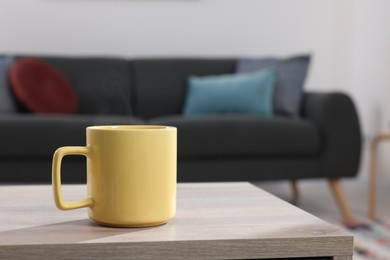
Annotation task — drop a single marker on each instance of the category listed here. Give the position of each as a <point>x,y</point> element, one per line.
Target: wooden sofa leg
<point>373,172</point>
<point>295,191</point>
<point>341,201</point>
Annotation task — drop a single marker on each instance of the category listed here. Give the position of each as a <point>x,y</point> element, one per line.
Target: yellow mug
<point>131,175</point>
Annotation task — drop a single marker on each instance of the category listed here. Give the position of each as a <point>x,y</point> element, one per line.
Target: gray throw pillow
<point>291,74</point>
<point>7,101</point>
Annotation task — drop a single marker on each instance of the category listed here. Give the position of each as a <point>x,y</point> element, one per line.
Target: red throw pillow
<point>41,88</point>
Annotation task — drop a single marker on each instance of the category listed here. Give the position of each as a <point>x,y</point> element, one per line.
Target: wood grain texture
<point>213,220</point>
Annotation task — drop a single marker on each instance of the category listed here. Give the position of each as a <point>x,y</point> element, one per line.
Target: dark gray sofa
<point>324,142</point>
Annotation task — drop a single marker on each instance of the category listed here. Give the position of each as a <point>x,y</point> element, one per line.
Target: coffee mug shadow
<point>61,233</point>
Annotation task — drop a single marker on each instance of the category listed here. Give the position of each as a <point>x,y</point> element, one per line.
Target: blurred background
<point>348,40</point>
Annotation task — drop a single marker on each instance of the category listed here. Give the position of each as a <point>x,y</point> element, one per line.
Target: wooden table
<point>213,220</point>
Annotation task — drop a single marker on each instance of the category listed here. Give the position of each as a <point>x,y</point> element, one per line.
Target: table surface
<point>213,220</point>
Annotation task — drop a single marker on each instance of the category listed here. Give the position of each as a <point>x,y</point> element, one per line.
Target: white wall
<point>370,78</point>
<point>370,45</point>
<point>182,28</point>
<point>346,38</point>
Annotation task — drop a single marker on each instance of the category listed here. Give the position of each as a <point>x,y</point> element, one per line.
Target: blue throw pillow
<point>289,86</point>
<point>7,101</point>
<point>247,93</point>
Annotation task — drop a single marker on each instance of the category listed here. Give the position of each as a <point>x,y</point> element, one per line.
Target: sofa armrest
<point>336,116</point>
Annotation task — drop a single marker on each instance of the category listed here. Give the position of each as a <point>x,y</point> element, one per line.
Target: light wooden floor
<point>316,198</point>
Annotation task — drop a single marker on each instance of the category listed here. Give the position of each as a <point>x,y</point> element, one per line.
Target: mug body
<point>131,175</point>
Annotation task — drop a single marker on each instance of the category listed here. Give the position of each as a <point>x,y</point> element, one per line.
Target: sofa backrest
<point>146,88</point>
<point>160,85</point>
<point>102,84</point>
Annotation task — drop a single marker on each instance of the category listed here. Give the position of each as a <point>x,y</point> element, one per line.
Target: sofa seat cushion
<point>38,136</point>
<point>243,136</point>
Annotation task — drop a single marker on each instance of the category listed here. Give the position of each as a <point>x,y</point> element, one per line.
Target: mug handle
<point>56,177</point>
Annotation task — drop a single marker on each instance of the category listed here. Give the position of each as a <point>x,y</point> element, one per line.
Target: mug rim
<point>130,127</point>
